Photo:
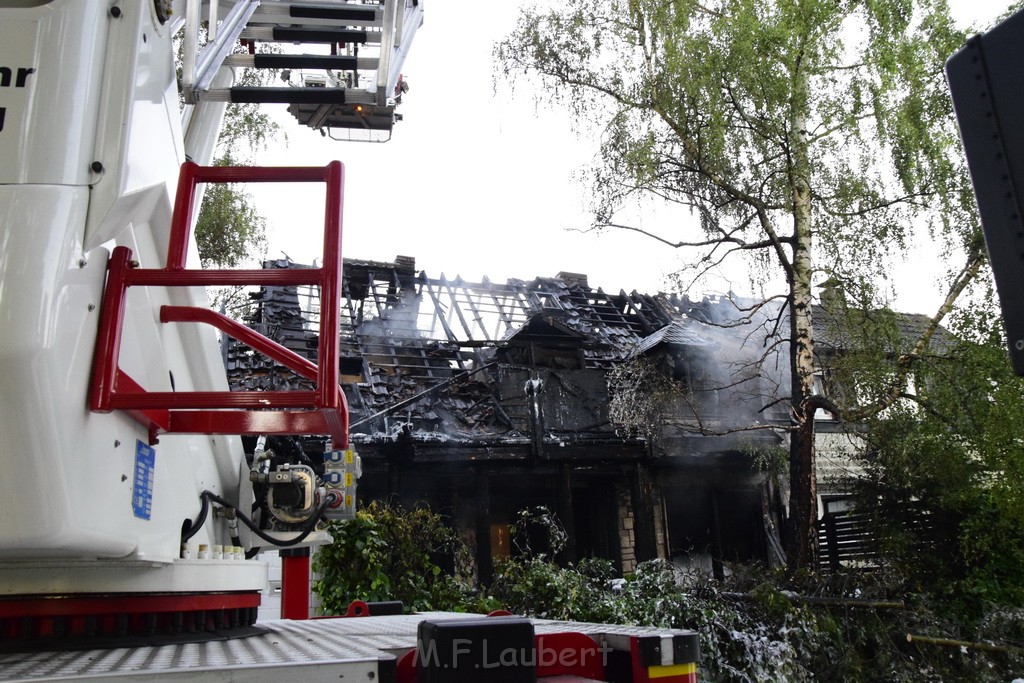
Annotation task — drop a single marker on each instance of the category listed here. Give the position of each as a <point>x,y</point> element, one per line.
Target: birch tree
<point>810,136</point>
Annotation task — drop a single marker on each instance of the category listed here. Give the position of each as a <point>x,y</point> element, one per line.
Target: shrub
<point>390,553</point>
<point>755,626</point>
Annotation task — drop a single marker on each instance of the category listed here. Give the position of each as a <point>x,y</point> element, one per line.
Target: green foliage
<point>353,567</point>
<point>390,553</point>
<point>753,627</point>
<point>703,104</point>
<point>772,460</point>
<point>529,582</point>
<point>229,231</point>
<point>541,588</point>
<point>954,452</point>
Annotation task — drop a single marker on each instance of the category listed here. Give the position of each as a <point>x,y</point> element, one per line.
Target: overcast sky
<point>479,179</point>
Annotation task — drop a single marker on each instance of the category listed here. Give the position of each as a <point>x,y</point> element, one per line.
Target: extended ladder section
<point>340,62</point>
<point>322,410</point>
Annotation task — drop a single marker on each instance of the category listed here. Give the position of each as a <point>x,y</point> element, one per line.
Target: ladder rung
<point>268,19</point>
<point>350,13</point>
<point>273,61</point>
<point>248,95</point>
<point>295,34</point>
<point>320,15</point>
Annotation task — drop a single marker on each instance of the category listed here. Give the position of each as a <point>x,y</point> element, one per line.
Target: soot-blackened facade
<point>482,399</point>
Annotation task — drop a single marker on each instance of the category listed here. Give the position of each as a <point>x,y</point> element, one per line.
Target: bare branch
<point>711,242</point>
<point>905,363</point>
<point>875,206</point>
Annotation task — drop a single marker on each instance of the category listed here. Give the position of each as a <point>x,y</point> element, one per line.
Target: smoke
<point>738,379</point>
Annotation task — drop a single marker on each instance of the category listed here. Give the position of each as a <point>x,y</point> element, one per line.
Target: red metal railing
<point>321,411</point>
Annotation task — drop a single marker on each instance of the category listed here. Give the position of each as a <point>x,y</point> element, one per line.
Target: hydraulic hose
<point>307,529</point>
<point>200,519</point>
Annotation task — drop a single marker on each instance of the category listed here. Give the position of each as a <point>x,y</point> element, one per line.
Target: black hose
<point>200,519</point>
<point>251,552</point>
<point>306,530</point>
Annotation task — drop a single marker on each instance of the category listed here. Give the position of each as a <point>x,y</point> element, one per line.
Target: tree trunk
<point>803,497</point>
<point>803,512</point>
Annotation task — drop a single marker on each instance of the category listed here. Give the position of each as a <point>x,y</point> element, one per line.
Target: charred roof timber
<point>445,361</point>
<point>448,358</point>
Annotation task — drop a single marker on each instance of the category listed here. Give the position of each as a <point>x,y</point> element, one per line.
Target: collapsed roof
<point>437,353</point>
<point>450,360</point>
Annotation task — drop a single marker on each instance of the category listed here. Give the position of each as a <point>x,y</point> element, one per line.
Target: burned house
<point>482,399</point>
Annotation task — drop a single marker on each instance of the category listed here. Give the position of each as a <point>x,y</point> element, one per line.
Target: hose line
<point>307,529</point>
<point>209,496</point>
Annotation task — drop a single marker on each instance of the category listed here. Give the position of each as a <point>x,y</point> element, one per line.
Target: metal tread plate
<point>317,647</point>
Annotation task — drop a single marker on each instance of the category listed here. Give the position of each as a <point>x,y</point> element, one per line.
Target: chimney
<point>832,296</point>
<point>574,279</point>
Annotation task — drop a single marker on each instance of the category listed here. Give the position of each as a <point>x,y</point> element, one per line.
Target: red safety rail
<point>320,411</point>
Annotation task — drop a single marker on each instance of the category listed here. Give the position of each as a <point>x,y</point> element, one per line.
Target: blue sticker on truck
<point>142,490</point>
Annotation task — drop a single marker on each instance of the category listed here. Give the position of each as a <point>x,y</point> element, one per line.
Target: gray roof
<point>831,329</point>
<point>675,334</point>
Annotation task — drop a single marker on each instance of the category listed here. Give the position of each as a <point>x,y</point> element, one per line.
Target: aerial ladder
<point>347,75</point>
<point>130,523</point>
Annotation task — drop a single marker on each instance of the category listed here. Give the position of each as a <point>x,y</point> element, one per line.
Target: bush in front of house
<point>392,553</point>
<point>756,625</point>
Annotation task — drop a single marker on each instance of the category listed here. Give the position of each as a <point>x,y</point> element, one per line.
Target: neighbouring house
<point>482,399</point>
<point>839,328</point>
